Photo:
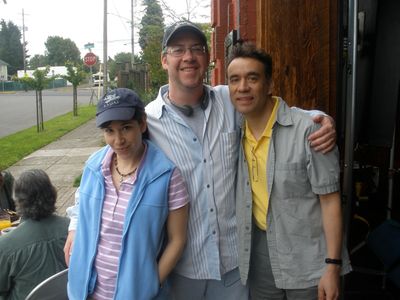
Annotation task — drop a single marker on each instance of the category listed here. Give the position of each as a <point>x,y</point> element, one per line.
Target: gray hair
<point>35,195</point>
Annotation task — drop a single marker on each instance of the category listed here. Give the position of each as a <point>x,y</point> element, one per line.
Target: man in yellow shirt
<point>288,203</point>
<point>256,150</point>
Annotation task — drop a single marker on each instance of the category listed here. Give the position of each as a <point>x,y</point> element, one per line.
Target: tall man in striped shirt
<point>199,130</point>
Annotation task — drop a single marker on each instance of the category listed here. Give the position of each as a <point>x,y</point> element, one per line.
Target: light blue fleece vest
<point>143,231</point>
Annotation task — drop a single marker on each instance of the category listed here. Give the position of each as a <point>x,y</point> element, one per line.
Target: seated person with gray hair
<point>34,250</point>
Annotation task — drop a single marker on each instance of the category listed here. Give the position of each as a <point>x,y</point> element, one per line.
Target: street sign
<point>89,46</point>
<point>89,59</point>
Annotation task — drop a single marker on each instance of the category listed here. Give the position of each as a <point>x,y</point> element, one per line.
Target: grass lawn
<point>16,146</point>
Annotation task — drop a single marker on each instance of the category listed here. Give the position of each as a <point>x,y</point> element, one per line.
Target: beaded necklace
<point>122,176</point>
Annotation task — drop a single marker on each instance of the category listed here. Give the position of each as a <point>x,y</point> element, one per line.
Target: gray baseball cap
<point>183,26</point>
<point>117,105</point>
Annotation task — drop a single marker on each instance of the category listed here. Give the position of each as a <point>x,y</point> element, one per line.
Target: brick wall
<point>228,15</point>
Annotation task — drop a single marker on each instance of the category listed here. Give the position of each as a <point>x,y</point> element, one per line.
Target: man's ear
<point>164,62</point>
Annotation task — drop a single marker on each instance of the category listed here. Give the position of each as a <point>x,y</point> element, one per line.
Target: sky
<point>82,21</point>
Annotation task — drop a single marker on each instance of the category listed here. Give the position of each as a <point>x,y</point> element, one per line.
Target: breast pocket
<point>291,180</point>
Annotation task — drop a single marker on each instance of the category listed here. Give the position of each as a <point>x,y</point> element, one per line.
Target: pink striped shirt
<point>112,221</point>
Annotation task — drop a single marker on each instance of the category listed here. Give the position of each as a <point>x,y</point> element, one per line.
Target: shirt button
<point>246,249</point>
<point>194,139</point>
<point>211,209</point>
<point>213,232</point>
<point>205,160</point>
<point>247,228</point>
<point>208,186</point>
<point>247,183</point>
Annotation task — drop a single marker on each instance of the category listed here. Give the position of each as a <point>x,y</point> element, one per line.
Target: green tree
<point>75,75</point>
<point>38,61</point>
<point>38,83</point>
<point>207,29</point>
<point>11,46</point>
<point>150,40</point>
<point>153,16</point>
<point>60,50</point>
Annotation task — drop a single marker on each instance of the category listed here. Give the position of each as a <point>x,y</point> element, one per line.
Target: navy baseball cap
<point>183,26</point>
<point>117,105</point>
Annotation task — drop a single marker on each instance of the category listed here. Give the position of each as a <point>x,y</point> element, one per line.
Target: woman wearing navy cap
<point>133,209</point>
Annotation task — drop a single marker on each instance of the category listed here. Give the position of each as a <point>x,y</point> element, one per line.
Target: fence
<point>9,86</point>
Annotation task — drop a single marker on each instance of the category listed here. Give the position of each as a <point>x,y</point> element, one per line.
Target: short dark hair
<point>138,116</point>
<point>35,195</point>
<point>249,50</point>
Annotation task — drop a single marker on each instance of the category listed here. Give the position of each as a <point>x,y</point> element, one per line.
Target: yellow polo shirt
<point>257,155</point>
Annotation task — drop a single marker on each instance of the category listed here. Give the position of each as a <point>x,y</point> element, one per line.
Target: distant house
<point>3,70</point>
<point>56,71</point>
<point>53,71</point>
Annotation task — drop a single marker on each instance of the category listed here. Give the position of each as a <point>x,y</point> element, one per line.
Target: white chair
<point>52,288</point>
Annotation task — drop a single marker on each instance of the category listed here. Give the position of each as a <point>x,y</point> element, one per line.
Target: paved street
<point>63,159</point>
<point>18,110</point>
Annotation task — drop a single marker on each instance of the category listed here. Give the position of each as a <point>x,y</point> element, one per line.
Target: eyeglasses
<point>178,51</point>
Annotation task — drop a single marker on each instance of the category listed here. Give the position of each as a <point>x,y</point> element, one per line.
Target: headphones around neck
<point>188,110</point>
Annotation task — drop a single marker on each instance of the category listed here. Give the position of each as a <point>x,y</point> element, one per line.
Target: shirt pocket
<point>291,180</point>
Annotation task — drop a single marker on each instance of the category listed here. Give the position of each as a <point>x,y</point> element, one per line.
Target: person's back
<point>34,250</point>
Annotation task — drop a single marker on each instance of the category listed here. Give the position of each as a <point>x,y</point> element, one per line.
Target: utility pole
<point>23,41</point>
<point>132,32</point>
<point>105,69</point>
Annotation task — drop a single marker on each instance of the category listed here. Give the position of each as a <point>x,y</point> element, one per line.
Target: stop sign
<point>89,59</point>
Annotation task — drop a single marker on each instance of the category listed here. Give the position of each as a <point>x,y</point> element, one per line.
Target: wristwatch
<point>333,261</point>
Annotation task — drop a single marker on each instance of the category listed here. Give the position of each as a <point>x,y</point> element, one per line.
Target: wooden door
<point>302,37</point>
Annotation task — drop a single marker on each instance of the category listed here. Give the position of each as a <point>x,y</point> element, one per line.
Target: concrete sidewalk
<point>63,160</point>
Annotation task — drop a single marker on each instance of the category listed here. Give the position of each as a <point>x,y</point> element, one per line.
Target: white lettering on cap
<point>111,99</point>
